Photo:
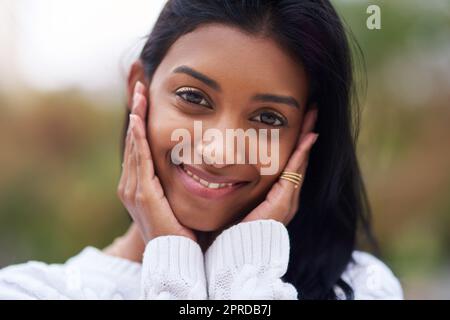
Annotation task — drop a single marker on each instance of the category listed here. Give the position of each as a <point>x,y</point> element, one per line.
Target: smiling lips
<point>205,185</point>
<point>207,180</point>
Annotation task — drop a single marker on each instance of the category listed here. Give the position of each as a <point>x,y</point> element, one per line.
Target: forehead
<point>237,60</point>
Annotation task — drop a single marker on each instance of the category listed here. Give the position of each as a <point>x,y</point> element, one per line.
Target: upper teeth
<point>205,183</point>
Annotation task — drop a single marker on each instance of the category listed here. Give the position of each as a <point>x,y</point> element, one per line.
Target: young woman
<point>223,230</point>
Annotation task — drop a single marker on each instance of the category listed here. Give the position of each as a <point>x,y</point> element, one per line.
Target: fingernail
<point>136,86</point>
<point>130,123</point>
<point>135,92</point>
<point>141,86</point>
<point>135,97</point>
<point>134,125</point>
<point>315,138</point>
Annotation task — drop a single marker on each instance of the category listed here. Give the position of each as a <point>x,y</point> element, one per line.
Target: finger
<point>292,188</point>
<point>126,157</point>
<point>144,162</point>
<point>139,101</point>
<point>281,197</point>
<point>309,122</point>
<point>286,187</point>
<point>130,188</point>
<point>295,200</point>
<point>304,143</point>
<point>301,153</point>
<point>304,159</point>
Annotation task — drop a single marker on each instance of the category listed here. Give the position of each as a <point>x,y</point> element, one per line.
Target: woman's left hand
<point>282,200</point>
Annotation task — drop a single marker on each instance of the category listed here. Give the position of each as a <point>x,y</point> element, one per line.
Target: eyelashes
<point>195,98</point>
<point>270,118</point>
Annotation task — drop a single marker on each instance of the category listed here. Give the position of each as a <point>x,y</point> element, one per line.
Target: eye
<point>190,95</point>
<point>270,118</point>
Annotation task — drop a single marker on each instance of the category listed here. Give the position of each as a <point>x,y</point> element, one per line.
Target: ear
<point>137,73</point>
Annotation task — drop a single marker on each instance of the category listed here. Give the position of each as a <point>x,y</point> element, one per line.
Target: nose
<point>215,151</point>
<point>212,152</point>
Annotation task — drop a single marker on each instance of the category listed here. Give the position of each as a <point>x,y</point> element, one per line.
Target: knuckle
<point>142,158</point>
<point>304,149</point>
<point>283,207</point>
<point>127,196</point>
<point>140,198</point>
<point>138,159</point>
<point>119,191</point>
<point>302,168</point>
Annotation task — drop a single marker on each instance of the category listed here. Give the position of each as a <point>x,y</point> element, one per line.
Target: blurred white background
<point>59,44</point>
<point>63,66</point>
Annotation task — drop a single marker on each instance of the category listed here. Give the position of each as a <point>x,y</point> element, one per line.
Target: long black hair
<point>333,202</point>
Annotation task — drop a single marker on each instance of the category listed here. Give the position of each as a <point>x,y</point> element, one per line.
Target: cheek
<point>279,156</point>
<point>163,121</point>
<point>287,145</point>
<point>286,150</point>
<point>158,133</point>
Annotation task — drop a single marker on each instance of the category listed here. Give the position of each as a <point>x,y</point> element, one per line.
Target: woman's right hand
<point>139,188</point>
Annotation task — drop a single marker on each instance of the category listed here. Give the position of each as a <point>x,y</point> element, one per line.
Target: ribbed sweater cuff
<point>259,242</point>
<point>177,256</point>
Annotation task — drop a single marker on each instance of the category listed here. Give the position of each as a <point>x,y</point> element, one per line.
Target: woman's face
<point>212,75</point>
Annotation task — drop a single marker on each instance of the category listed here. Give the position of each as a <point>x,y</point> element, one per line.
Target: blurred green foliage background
<point>60,153</point>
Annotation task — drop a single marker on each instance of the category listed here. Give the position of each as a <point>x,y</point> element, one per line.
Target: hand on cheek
<point>139,188</point>
<point>281,202</point>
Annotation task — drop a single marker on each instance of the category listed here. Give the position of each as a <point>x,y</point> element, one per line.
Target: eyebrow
<point>261,97</point>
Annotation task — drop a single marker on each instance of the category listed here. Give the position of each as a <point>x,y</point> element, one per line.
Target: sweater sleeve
<point>31,281</point>
<point>370,279</point>
<point>247,261</point>
<point>173,268</point>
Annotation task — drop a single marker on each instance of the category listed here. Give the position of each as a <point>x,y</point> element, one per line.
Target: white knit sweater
<point>245,261</point>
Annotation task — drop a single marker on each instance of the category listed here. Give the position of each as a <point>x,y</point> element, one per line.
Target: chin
<point>199,225</point>
<point>200,222</point>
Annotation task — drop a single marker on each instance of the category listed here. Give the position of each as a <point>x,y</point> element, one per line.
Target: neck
<point>204,239</point>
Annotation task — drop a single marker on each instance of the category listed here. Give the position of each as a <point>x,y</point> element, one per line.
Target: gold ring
<point>293,177</point>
